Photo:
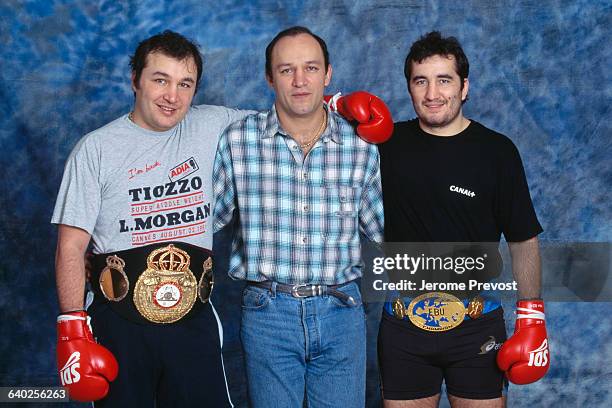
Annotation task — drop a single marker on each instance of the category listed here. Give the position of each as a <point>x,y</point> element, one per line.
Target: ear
<point>134,86</point>
<point>270,81</point>
<point>466,88</point>
<point>328,75</point>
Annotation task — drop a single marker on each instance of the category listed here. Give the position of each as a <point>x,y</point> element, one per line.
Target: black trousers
<point>163,365</point>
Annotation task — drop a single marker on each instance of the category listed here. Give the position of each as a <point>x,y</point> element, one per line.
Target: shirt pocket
<point>340,210</point>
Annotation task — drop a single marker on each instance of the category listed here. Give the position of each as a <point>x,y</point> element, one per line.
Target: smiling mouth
<point>434,105</point>
<point>167,110</point>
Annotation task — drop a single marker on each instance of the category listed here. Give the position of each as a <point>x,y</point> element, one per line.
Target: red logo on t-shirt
<point>184,169</point>
<point>135,171</point>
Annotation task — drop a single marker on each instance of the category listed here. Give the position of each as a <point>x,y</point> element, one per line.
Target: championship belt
<point>168,288</point>
<point>434,311</point>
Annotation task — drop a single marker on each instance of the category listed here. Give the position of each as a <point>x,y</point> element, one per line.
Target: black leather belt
<point>304,290</point>
<point>132,263</point>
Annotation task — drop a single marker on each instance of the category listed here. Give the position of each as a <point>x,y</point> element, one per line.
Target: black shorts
<point>413,362</point>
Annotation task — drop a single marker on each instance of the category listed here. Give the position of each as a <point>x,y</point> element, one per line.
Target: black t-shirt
<point>470,187</point>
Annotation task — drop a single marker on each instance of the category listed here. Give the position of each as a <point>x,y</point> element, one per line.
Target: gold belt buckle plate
<point>207,281</point>
<point>475,307</point>
<point>167,290</point>
<point>113,280</point>
<point>436,311</point>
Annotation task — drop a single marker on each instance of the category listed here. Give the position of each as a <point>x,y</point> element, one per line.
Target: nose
<point>432,91</point>
<point>171,94</point>
<point>299,78</point>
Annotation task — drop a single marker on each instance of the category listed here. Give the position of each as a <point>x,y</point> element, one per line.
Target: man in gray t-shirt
<point>140,189</point>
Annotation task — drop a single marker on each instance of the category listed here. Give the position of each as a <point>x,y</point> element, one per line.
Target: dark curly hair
<point>434,44</point>
<point>170,44</point>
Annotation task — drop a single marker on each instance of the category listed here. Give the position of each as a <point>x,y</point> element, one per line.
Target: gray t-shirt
<point>128,186</point>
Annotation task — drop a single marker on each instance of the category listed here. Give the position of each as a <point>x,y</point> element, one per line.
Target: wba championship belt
<point>434,311</point>
<point>166,290</point>
<point>175,275</point>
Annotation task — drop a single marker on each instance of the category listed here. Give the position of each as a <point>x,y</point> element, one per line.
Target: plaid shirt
<point>298,217</point>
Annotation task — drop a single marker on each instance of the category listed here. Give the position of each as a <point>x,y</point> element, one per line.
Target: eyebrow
<point>445,76</point>
<point>163,74</point>
<point>288,64</point>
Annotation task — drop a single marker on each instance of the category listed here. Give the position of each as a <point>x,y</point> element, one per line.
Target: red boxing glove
<point>375,121</point>
<point>85,367</point>
<point>524,356</point>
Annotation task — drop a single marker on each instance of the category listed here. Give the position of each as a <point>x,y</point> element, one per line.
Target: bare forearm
<point>527,268</point>
<point>70,268</point>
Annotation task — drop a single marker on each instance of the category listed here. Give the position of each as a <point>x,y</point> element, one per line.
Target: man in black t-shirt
<point>447,178</point>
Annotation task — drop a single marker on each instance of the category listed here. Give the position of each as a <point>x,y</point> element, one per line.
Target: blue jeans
<point>309,348</point>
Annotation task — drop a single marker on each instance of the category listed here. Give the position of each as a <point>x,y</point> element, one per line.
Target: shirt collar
<point>332,131</point>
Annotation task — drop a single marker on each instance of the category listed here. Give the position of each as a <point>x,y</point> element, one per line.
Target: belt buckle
<point>167,290</point>
<point>436,311</point>
<point>296,288</point>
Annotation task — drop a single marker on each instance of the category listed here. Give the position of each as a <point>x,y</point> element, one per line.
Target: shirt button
<point>304,240</point>
<point>294,147</point>
<point>305,208</point>
<point>305,175</point>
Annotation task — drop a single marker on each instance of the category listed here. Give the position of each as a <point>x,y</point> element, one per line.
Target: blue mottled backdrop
<point>541,73</point>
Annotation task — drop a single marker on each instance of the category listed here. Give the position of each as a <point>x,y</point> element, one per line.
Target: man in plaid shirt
<point>303,185</point>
